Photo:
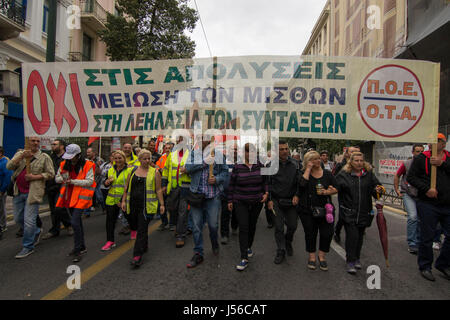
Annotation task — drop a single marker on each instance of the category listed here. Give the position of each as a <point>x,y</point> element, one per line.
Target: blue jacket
<point>5,175</point>
<point>194,170</point>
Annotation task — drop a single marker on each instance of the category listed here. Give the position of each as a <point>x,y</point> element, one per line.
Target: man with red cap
<point>433,207</point>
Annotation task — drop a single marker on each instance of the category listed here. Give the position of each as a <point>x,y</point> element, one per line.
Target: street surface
<point>164,275</point>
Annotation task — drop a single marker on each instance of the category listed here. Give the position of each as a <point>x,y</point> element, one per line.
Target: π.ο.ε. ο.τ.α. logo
<point>391,101</point>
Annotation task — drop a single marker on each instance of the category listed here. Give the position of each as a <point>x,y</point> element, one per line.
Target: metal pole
<point>51,32</point>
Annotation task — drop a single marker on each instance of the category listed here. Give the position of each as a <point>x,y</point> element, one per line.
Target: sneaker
<point>436,246</point>
<point>242,265</point>
<point>77,257</point>
<point>179,243</point>
<point>69,231</point>
<point>312,264</point>
<point>48,235</point>
<point>323,265</point>
<point>24,253</point>
<point>108,246</point>
<point>358,265</point>
<point>195,261</point>
<point>427,275</point>
<point>73,252</point>
<point>172,228</point>
<point>289,249</point>
<point>136,262</point>
<point>224,240</point>
<point>133,235</point>
<point>279,258</point>
<point>37,237</point>
<point>250,253</point>
<point>162,227</point>
<point>351,268</point>
<point>413,250</point>
<point>167,227</point>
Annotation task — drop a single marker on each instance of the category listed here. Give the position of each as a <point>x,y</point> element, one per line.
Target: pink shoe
<point>133,235</point>
<point>329,216</point>
<point>108,246</point>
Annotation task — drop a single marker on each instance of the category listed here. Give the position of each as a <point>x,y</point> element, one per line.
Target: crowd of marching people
<point>186,189</point>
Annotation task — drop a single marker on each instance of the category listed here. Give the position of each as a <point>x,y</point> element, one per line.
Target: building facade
<point>361,28</point>
<point>23,38</point>
<point>405,29</point>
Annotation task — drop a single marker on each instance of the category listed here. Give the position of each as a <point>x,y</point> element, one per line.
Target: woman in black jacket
<point>356,185</point>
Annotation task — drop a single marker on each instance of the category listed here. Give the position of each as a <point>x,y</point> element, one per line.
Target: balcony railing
<point>92,7</point>
<point>14,10</point>
<point>78,56</point>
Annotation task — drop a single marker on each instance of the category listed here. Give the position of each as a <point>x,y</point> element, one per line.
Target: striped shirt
<point>247,184</point>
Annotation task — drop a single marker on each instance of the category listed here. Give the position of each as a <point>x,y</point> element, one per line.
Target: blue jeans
<point>412,226</point>
<point>25,215</point>
<point>99,196</point>
<point>429,216</point>
<point>208,213</point>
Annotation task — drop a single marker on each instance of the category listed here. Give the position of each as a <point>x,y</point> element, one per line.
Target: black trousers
<point>312,226</point>
<point>112,213</point>
<point>354,236</point>
<point>247,215</point>
<point>132,217</point>
<point>225,218</point>
<point>58,215</point>
<point>143,219</point>
<point>284,216</point>
<point>105,194</point>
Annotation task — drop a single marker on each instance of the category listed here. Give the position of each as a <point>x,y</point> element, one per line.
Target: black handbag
<point>285,202</point>
<point>195,199</point>
<point>318,212</point>
<point>173,200</point>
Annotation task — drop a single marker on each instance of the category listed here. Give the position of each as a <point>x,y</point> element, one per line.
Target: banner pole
<point>433,168</point>
<point>214,98</point>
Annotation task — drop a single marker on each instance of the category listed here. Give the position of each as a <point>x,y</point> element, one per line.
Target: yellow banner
<point>349,98</point>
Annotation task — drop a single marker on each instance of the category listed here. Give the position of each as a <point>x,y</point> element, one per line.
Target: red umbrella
<point>382,228</point>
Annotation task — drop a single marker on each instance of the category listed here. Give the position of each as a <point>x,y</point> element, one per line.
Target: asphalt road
<point>164,275</point>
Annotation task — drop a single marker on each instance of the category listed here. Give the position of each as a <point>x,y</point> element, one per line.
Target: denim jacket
<point>194,170</point>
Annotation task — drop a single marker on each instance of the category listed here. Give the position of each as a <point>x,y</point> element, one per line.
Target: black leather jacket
<point>355,197</point>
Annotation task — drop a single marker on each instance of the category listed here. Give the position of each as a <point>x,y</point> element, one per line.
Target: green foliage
<point>150,30</point>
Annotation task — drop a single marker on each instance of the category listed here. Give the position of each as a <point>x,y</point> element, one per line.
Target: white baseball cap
<point>71,151</point>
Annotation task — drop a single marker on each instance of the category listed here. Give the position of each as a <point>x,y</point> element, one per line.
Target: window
<point>87,47</point>
<point>24,12</point>
<point>45,18</point>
